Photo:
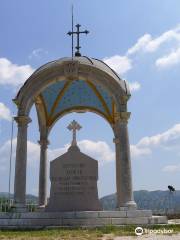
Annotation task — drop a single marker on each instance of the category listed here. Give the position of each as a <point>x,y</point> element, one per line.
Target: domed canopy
<point>80,84</point>
<point>85,61</point>
<point>77,84</point>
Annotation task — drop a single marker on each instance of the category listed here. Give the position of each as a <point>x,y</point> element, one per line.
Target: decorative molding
<point>44,142</point>
<point>71,69</point>
<point>22,120</point>
<point>122,116</point>
<point>124,99</point>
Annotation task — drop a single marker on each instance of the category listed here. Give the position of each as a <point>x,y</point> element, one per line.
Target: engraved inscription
<point>73,178</point>
<point>74,181</point>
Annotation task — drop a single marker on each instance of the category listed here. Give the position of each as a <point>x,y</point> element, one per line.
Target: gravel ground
<point>151,237</point>
<point>144,237</point>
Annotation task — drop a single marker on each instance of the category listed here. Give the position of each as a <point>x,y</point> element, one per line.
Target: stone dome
<point>84,60</point>
<point>77,84</point>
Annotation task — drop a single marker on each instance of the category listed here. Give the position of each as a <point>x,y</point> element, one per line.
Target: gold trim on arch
<point>99,96</point>
<point>113,110</point>
<point>49,117</point>
<point>43,104</point>
<point>79,108</point>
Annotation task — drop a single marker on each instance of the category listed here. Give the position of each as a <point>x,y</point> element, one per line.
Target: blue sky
<point>141,41</point>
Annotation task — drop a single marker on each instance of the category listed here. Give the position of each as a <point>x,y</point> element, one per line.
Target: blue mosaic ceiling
<point>77,95</point>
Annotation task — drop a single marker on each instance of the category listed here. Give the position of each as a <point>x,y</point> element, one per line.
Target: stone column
<point>43,172</point>
<point>21,162</point>
<point>125,198</point>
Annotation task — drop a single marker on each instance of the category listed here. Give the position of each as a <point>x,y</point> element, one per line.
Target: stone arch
<point>77,111</point>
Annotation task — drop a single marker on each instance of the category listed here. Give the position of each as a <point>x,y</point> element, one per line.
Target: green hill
<point>29,197</point>
<point>154,200</point>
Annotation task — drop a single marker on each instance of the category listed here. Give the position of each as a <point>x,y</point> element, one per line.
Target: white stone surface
<point>113,214</point>
<point>125,221</point>
<point>87,222</point>
<point>87,218</point>
<point>87,214</point>
<point>139,213</point>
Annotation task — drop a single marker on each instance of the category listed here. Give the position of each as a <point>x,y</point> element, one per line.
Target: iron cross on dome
<point>78,32</point>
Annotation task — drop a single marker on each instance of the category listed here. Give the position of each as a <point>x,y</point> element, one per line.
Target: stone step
<point>84,214</point>
<point>79,219</point>
<point>81,222</point>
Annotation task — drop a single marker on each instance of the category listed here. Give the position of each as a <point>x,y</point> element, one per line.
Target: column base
<point>130,205</point>
<point>19,208</point>
<point>41,208</point>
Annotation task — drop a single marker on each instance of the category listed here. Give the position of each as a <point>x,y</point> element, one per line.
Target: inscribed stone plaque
<point>74,178</point>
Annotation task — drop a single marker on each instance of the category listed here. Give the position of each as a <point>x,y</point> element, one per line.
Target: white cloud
<point>134,86</point>
<point>120,64</point>
<point>171,168</point>
<point>99,150</point>
<point>139,152</point>
<point>169,60</point>
<point>37,53</point>
<point>5,153</point>
<point>54,153</point>
<point>140,45</point>
<point>32,152</point>
<point>147,43</point>
<point>4,112</point>
<point>13,74</point>
<point>169,139</point>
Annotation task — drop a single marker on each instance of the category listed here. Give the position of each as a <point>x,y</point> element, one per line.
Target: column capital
<point>122,116</point>
<point>22,120</point>
<point>124,99</point>
<point>43,142</point>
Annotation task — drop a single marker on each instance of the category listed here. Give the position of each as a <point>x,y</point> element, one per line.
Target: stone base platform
<point>38,220</point>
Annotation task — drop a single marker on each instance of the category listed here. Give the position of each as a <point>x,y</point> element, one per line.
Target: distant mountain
<point>154,200</point>
<point>29,197</point>
<point>5,195</point>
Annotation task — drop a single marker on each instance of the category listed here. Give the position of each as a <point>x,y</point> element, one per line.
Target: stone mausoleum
<point>74,84</point>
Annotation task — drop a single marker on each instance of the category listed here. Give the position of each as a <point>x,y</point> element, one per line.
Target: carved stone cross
<point>74,126</point>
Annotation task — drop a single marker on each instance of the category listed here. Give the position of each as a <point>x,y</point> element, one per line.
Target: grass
<point>78,233</point>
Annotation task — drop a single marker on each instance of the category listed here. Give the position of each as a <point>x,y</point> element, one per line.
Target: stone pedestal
<point>73,178</point>
<point>92,219</point>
